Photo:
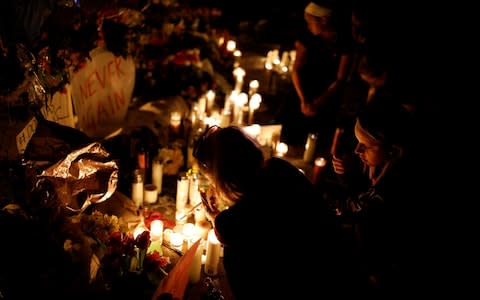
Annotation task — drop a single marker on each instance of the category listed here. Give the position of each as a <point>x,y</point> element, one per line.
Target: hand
<point>338,165</point>
<point>308,109</point>
<point>210,203</point>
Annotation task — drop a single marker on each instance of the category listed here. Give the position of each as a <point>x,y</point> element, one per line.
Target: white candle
<point>150,194</point>
<point>176,241</point>
<point>139,230</point>
<point>157,174</point>
<point>137,190</point>
<point>253,87</point>
<point>182,191</point>
<point>239,73</point>
<point>231,45</point>
<point>167,233</point>
<point>191,234</point>
<point>281,149</point>
<point>213,254</point>
<point>194,193</point>
<point>175,119</point>
<point>156,230</point>
<point>202,105</point>
<point>195,271</point>
<point>254,104</point>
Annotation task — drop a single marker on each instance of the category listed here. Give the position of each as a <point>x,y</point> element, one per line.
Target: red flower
<point>143,240</point>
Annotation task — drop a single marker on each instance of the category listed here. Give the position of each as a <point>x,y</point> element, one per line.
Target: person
<point>320,67</point>
<point>380,215</point>
<point>273,216</point>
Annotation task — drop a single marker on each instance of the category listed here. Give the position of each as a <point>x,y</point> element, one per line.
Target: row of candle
<point>181,238</point>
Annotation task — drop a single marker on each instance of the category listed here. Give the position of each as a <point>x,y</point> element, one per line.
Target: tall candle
<point>253,87</point>
<point>254,104</point>
<point>195,271</point>
<point>310,146</point>
<point>210,100</point>
<point>213,254</point>
<point>193,193</point>
<point>157,174</point>
<point>182,191</point>
<point>137,189</point>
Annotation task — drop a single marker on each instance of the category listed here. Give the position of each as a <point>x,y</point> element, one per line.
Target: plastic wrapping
<point>84,177</point>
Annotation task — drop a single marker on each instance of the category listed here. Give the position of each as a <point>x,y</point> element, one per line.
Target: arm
<point>299,62</point>
<point>336,85</point>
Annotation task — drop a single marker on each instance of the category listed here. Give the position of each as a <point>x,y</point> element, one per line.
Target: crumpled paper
<point>84,177</point>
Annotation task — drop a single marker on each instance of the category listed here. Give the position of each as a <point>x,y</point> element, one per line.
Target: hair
<point>388,123</point>
<point>231,158</point>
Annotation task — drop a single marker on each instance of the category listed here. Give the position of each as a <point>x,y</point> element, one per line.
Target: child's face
<point>370,150</point>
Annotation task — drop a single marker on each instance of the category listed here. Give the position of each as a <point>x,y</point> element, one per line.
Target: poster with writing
<point>59,108</point>
<point>102,91</point>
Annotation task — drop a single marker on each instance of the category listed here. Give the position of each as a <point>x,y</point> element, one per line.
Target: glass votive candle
<point>176,241</point>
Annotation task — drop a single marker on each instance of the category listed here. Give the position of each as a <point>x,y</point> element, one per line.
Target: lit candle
<point>176,241</point>
<point>191,234</point>
<point>139,229</point>
<point>156,230</point>
<point>210,100</point>
<point>253,87</point>
<point>231,45</point>
<point>193,193</point>
<point>318,167</point>
<point>213,254</point>
<point>281,149</point>
<point>182,191</point>
<point>254,104</point>
<point>167,233</point>
<point>175,121</point>
<point>240,102</point>
<point>202,105</point>
<point>310,146</point>
<point>239,73</point>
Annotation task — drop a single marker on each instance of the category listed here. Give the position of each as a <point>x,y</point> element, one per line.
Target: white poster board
<point>102,91</point>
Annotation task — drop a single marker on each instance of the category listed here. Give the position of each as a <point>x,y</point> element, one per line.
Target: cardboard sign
<point>102,91</point>
<point>25,135</point>
<point>59,108</point>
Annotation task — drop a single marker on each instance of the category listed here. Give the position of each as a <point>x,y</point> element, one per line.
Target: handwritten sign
<point>25,135</point>
<point>59,108</point>
<point>102,92</point>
